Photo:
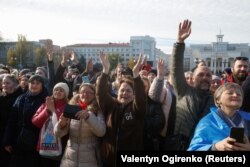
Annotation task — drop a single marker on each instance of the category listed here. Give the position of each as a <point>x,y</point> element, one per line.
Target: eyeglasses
<point>241,58</point>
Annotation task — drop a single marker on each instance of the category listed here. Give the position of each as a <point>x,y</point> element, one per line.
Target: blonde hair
<point>91,86</point>
<point>224,88</point>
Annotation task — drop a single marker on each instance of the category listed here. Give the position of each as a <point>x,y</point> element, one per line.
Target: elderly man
<point>193,102</point>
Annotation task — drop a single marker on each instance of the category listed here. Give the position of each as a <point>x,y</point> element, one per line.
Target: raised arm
<point>184,31</point>
<point>105,63</point>
<point>50,65</point>
<point>177,70</point>
<point>104,98</point>
<point>140,94</point>
<point>61,68</point>
<point>75,61</point>
<point>156,91</point>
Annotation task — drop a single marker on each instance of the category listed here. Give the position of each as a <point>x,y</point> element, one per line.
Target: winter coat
<point>82,146</point>
<point>246,89</point>
<point>20,118</point>
<point>124,122</point>
<point>6,103</point>
<point>192,103</point>
<point>42,114</point>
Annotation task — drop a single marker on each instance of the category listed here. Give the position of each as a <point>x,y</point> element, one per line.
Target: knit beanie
<point>64,86</point>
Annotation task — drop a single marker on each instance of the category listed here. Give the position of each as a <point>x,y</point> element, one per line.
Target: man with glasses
<point>239,70</point>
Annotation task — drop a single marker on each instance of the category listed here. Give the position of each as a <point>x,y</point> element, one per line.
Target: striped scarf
<point>235,121</point>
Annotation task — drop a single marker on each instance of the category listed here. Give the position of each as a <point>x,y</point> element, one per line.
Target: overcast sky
<point>101,21</point>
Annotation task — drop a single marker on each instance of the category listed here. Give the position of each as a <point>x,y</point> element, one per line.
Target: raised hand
<point>50,105</point>
<point>138,66</point>
<point>184,31</point>
<point>63,121</point>
<point>74,58</point>
<point>89,66</point>
<point>160,69</point>
<point>144,60</point>
<point>49,49</point>
<point>105,62</point>
<point>65,57</point>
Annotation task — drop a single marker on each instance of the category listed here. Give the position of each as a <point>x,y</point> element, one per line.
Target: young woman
<point>54,103</point>
<point>82,146</point>
<point>212,132</point>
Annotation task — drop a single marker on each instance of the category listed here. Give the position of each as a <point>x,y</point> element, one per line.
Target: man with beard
<point>239,71</point>
<point>239,75</point>
<point>193,102</point>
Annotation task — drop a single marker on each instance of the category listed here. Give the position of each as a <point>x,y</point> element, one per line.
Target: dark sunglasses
<point>241,58</point>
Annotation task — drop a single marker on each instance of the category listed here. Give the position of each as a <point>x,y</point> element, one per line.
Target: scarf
<point>235,121</point>
<point>83,105</point>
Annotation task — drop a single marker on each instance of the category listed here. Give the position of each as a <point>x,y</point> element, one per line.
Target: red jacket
<point>42,115</point>
<point>230,79</point>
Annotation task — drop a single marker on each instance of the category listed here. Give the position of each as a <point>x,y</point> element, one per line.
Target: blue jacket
<point>212,129</point>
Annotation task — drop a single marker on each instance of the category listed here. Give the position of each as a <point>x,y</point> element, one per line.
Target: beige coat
<point>83,140</point>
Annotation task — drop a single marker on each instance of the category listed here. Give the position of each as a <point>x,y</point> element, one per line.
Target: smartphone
<point>237,133</point>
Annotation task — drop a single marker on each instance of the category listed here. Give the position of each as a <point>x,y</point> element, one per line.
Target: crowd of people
<point>122,110</point>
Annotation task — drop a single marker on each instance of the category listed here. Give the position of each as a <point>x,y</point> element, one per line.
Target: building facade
<point>217,55</point>
<point>92,50</point>
<point>145,45</point>
<point>137,45</point>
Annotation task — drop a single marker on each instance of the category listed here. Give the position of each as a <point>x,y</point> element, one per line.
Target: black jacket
<point>21,115</point>
<point>6,103</point>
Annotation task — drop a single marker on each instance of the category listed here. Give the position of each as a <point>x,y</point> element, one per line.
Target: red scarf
<point>83,105</point>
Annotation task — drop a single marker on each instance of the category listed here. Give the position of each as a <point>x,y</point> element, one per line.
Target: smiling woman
<point>212,132</point>
<point>82,147</point>
<point>124,115</point>
<point>23,147</point>
<point>7,99</point>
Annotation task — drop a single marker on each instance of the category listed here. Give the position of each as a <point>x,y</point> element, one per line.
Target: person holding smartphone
<point>222,128</point>
<point>82,147</point>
